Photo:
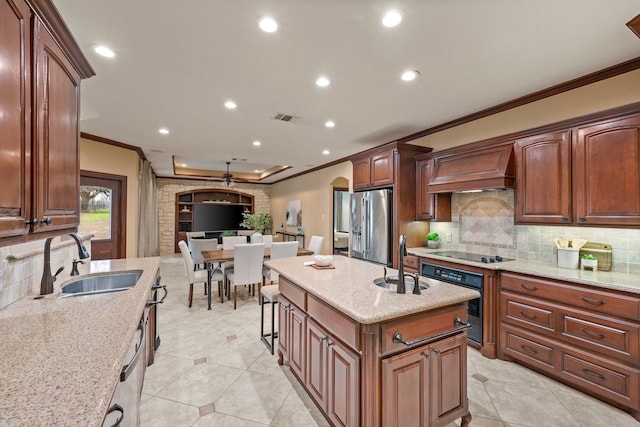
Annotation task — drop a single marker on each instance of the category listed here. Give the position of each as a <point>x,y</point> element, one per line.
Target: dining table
<point>214,259</point>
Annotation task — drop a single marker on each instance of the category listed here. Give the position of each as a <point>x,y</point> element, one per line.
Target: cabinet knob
<point>581,219</point>
<point>33,222</point>
<point>46,220</point>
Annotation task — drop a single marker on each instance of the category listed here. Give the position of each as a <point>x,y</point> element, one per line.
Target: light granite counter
<point>349,288</point>
<point>60,358</point>
<point>603,279</point>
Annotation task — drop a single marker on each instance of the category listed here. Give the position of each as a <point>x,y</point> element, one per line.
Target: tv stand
<point>187,199</point>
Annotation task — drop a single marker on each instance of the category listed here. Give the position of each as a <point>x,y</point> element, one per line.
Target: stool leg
<point>273,332</point>
<point>262,320</point>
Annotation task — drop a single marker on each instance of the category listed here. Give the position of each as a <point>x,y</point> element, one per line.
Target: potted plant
<point>589,262</point>
<point>261,222</point>
<point>433,240</point>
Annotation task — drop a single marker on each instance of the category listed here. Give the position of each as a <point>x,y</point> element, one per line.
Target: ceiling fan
<point>227,177</point>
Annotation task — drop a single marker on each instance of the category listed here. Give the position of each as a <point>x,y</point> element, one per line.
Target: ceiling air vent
<point>283,117</point>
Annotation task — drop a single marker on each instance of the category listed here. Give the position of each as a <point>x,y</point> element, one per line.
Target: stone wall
<point>167,189</point>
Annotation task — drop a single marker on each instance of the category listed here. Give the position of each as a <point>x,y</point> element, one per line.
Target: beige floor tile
<point>294,413</point>
<point>254,396</point>
<point>165,369</point>
<point>158,412</point>
<point>480,403</point>
<point>201,385</point>
<point>222,420</point>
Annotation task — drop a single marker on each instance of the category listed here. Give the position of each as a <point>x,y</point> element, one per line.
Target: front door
<point>103,213</point>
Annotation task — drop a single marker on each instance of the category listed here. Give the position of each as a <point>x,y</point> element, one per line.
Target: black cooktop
<point>468,256</point>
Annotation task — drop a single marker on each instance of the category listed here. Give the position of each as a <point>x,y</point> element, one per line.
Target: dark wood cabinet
<point>39,134</point>
<point>607,172</point>
<point>586,337</point>
<point>430,206</point>
<point>375,170</point>
<point>543,179</point>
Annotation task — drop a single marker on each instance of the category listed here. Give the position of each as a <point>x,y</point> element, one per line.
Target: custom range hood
<point>479,169</point>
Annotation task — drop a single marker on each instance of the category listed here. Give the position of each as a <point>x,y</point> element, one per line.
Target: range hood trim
<point>484,169</point>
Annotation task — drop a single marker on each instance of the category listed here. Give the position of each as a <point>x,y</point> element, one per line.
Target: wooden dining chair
<point>197,276</point>
<point>247,267</point>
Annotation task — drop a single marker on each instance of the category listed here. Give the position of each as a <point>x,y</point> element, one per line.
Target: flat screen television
<point>217,217</point>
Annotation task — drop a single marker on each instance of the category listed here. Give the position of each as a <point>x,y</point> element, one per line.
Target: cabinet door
<point>430,206</point>
<point>297,333</point>
<point>361,173</point>
<point>448,382</point>
<point>382,169</point>
<point>405,390</point>
<point>607,173</point>
<point>317,362</point>
<point>283,329</point>
<point>15,120</point>
<point>543,180</point>
<point>343,381</point>
<point>57,96</point>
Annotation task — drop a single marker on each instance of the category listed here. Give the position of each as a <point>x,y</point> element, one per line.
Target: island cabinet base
<point>359,375</point>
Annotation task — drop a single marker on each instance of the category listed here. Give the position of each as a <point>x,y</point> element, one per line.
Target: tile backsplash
<point>484,223</point>
<point>22,264</point>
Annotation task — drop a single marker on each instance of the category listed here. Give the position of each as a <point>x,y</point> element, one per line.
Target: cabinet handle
<point>437,352</point>
<point>33,222</point>
<point>329,343</point>
<point>529,349</point>
<point>593,374</point>
<point>128,368</point>
<point>529,287</point>
<point>529,315</point>
<point>46,220</point>
<point>426,354</point>
<point>116,408</point>
<point>397,337</point>
<point>164,288</point>
<point>593,334</point>
<point>565,219</point>
<point>592,301</point>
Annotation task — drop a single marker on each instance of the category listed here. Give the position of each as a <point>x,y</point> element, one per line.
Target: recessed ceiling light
<point>104,51</point>
<point>182,165</point>
<point>410,75</point>
<point>392,18</point>
<point>325,152</point>
<point>257,143</point>
<point>230,105</point>
<point>323,81</point>
<point>329,123</point>
<point>256,171</point>
<point>163,131</point>
<point>268,24</point>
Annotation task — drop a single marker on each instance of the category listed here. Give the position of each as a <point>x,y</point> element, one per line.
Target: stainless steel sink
<point>392,283</point>
<point>101,284</point>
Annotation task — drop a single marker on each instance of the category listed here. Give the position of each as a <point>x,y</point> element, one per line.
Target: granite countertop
<point>603,279</point>
<point>60,358</point>
<point>349,288</point>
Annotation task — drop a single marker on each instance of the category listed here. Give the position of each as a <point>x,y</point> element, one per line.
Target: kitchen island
<point>61,358</point>
<point>368,355</point>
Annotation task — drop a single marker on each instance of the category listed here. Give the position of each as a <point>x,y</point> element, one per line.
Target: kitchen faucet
<point>46,284</point>
<point>402,252</point>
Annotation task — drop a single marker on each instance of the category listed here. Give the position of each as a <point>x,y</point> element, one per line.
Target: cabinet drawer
<point>423,326</point>
<point>293,293</point>
<point>519,309</point>
<point>610,336</point>
<point>614,381</point>
<point>579,296</point>
<point>335,322</point>
<point>529,348</point>
<point>411,261</point>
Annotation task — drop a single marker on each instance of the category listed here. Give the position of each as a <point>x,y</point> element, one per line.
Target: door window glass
<point>95,211</point>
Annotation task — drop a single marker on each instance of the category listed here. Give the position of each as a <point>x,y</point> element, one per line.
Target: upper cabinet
<point>607,172</point>
<point>586,175</point>
<point>430,206</point>
<point>372,171</point>
<point>543,179</point>
<point>39,133</point>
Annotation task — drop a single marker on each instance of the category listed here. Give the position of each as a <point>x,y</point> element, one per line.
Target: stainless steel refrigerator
<point>371,221</point>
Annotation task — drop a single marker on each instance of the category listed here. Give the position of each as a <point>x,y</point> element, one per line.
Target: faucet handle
<point>55,276</point>
<point>74,266</point>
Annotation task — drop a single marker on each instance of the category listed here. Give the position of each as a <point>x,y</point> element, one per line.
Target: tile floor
<point>212,370</point>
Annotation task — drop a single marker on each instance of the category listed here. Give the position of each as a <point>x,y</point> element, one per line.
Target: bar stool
<point>269,295</point>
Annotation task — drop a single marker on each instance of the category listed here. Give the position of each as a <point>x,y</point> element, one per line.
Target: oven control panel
<point>452,275</point>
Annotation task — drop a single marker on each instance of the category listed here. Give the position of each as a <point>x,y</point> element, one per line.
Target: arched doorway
<point>341,219</point>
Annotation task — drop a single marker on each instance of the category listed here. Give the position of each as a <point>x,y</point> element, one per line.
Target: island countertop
<point>60,358</point>
<point>349,289</point>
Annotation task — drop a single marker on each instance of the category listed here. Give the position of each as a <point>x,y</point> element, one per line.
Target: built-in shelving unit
<point>187,199</point>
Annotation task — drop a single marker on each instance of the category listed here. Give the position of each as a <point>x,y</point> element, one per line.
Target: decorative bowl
<point>323,260</point>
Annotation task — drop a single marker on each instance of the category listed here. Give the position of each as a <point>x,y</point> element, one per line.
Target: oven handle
<point>397,337</point>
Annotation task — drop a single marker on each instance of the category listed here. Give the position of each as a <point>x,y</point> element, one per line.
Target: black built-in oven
<point>466,279</point>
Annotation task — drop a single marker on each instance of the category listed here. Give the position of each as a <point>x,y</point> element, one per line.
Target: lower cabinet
<point>292,325</point>
<point>425,386</point>
<point>333,373</point>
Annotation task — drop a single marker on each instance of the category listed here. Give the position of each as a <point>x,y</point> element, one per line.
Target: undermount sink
<point>392,283</point>
<point>101,284</point>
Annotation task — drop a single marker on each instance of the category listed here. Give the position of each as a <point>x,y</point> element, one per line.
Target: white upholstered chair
<point>197,276</point>
<point>247,267</point>
<point>315,244</point>
<point>267,239</point>
<point>197,246</point>
<point>279,250</point>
